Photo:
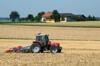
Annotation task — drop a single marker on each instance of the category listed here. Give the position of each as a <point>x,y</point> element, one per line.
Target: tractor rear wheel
<point>53,49</point>
<point>35,48</point>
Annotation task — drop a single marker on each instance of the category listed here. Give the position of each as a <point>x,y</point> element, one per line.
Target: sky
<point>25,7</point>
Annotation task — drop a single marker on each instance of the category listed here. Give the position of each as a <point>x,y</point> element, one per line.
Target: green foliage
<point>94,18</point>
<point>84,18</point>
<point>39,16</point>
<point>30,17</point>
<point>91,18</point>
<point>56,16</point>
<point>14,15</point>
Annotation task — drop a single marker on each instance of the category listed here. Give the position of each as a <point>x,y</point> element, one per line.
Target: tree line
<point>15,16</point>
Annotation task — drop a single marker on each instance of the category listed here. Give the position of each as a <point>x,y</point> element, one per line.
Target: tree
<point>56,16</point>
<point>30,17</point>
<point>14,15</point>
<point>94,18</point>
<point>39,16</point>
<point>89,18</point>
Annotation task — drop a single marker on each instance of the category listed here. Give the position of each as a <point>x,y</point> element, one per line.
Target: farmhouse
<point>47,17</point>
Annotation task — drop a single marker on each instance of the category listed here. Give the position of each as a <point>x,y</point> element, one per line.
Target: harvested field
<point>81,46</point>
<point>77,53</point>
<point>60,33</point>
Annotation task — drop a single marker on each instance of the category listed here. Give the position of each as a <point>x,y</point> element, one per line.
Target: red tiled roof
<point>47,14</point>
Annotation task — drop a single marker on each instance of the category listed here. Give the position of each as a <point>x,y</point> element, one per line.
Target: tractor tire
<point>59,49</point>
<point>42,51</point>
<point>35,48</point>
<point>53,49</point>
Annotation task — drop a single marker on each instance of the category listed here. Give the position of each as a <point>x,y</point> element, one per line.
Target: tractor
<point>42,43</point>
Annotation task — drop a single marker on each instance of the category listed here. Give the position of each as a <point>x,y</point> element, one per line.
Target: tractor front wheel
<point>54,49</point>
<point>59,49</point>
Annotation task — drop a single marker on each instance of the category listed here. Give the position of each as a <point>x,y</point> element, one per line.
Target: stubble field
<point>81,46</point>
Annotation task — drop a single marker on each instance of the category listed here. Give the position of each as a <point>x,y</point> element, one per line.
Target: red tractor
<point>42,44</point>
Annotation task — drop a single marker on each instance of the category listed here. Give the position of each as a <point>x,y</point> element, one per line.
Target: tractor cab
<point>42,38</point>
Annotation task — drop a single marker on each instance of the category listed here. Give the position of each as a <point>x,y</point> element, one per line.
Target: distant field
<point>95,24</point>
<point>55,33</point>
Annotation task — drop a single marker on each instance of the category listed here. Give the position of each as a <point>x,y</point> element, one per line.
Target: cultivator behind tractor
<point>41,44</point>
<point>18,49</point>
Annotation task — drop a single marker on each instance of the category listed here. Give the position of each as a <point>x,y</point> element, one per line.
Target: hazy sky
<point>25,7</point>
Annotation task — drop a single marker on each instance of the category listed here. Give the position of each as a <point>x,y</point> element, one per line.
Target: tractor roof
<point>40,34</point>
